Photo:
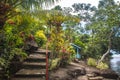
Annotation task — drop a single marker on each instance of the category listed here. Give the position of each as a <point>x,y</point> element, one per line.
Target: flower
<point>10,21</point>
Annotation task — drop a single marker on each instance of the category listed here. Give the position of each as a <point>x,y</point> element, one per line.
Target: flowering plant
<point>40,37</point>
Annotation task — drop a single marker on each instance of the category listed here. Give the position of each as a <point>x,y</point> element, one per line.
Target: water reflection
<point>115,63</point>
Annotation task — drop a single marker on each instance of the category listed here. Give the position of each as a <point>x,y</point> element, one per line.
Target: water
<point>115,63</point>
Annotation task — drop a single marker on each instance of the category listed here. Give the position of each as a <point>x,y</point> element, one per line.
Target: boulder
<point>107,74</point>
<point>31,46</point>
<point>76,72</point>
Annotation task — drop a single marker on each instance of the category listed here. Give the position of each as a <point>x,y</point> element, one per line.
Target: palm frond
<point>29,4</point>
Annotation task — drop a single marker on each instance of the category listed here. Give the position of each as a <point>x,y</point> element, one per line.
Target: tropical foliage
<point>24,21</point>
<point>91,62</point>
<point>17,26</point>
<point>40,37</point>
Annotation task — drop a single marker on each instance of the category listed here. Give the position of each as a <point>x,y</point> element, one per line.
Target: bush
<point>54,64</point>
<point>91,62</point>
<point>102,65</point>
<point>18,53</point>
<point>40,37</point>
<point>2,62</point>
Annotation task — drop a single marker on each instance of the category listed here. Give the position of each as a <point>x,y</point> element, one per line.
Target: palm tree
<point>7,7</point>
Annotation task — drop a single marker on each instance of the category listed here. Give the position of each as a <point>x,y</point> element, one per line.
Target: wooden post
<point>47,60</point>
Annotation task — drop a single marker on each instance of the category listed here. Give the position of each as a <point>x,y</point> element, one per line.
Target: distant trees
<point>102,25</point>
<point>85,11</point>
<point>104,22</point>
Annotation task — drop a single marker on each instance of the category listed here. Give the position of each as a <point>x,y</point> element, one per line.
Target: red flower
<point>10,21</point>
<point>63,50</point>
<point>22,34</point>
<point>31,37</point>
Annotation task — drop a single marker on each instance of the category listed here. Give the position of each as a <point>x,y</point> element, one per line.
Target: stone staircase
<point>34,67</point>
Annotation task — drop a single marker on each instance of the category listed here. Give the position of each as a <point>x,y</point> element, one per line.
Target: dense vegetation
<point>23,21</point>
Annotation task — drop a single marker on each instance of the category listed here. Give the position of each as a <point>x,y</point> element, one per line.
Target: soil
<point>80,71</point>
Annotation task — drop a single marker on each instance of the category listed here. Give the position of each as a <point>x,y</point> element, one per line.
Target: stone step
<point>31,73</point>
<point>35,55</point>
<point>90,75</point>
<point>35,60</point>
<point>82,77</point>
<point>110,79</point>
<point>39,51</point>
<point>34,65</point>
<point>96,78</point>
<point>28,78</point>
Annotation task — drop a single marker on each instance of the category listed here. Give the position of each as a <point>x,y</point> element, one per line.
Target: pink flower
<point>64,50</point>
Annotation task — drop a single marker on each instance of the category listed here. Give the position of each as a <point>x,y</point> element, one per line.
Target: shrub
<point>54,63</point>
<point>79,43</point>
<point>91,62</point>
<point>40,37</point>
<point>102,65</point>
<point>17,52</point>
<point>2,62</point>
<point>71,51</point>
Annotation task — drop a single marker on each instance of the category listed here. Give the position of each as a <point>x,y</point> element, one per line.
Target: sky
<point>68,3</point>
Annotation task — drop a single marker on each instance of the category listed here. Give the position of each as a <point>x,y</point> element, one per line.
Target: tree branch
<point>109,48</point>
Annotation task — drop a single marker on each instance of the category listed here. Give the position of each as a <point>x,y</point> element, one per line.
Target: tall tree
<point>103,23</point>
<point>58,7</point>
<point>84,11</point>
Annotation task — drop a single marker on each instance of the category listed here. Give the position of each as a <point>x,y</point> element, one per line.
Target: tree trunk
<point>109,48</point>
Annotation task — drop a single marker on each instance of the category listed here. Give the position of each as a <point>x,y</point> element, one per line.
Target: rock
<point>82,77</point>
<point>90,75</point>
<point>55,78</point>
<point>83,71</point>
<point>96,78</point>
<point>67,78</point>
<point>31,46</point>
<point>76,72</point>
<point>110,79</point>
<point>1,69</point>
<point>107,74</point>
